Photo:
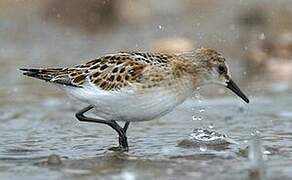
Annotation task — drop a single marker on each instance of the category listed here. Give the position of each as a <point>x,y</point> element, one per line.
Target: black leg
<point>125,128</point>
<point>113,124</point>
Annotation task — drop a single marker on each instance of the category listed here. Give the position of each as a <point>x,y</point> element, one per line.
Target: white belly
<point>128,105</point>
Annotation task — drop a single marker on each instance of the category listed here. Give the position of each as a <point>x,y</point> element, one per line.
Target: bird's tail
<point>64,76</point>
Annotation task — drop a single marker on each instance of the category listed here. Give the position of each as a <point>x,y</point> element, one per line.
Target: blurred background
<point>254,35</point>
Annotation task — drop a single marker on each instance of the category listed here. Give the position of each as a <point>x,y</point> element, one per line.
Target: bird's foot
<point>119,149</point>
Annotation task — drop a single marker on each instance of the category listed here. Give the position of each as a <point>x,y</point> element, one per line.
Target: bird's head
<point>212,67</point>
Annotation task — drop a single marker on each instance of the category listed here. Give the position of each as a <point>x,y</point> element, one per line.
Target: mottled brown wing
<point>113,72</point>
<point>160,59</point>
<point>110,72</point>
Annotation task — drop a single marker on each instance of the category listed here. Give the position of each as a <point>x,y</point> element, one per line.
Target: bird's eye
<point>222,69</point>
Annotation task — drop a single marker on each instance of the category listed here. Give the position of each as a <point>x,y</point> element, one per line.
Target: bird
<point>134,86</point>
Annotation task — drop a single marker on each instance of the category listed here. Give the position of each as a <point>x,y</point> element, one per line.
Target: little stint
<point>137,86</point>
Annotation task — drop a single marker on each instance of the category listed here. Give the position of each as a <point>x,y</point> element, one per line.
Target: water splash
<point>209,137</point>
<point>256,158</point>
<point>205,139</point>
<point>197,113</point>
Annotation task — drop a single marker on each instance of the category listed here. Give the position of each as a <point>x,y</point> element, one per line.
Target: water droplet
<point>203,148</point>
<point>211,126</point>
<point>267,152</point>
<point>197,118</point>
<point>15,89</point>
<point>232,27</point>
<point>262,36</point>
<point>255,133</point>
<point>160,27</point>
<point>200,130</point>
<point>169,171</point>
<point>197,96</point>
<point>200,35</point>
<point>128,176</point>
<point>202,110</point>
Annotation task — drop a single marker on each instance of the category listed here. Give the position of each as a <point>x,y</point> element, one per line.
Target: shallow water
<point>33,127</point>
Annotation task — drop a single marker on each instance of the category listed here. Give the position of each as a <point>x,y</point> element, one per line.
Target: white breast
<point>129,105</point>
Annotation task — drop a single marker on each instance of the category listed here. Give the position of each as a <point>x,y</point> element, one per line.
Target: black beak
<point>233,87</point>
